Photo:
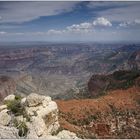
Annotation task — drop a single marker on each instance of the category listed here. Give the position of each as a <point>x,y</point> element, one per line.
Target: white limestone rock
<point>52,107</point>
<point>4,118</point>
<point>8,132</point>
<point>31,131</point>
<point>34,99</point>
<point>39,126</point>
<point>43,114</point>
<point>50,137</point>
<point>32,111</point>
<point>9,98</point>
<point>46,101</point>
<point>64,134</point>
<point>20,119</point>
<point>23,101</point>
<point>2,107</point>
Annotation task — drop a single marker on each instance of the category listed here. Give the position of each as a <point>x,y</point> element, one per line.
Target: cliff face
<point>134,60</point>
<point>32,117</point>
<point>99,84</point>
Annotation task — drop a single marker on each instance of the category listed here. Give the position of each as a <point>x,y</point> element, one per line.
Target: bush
<point>22,127</point>
<point>15,107</point>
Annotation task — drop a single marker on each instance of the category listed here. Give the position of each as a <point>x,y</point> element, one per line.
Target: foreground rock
<point>9,98</point>
<point>8,132</point>
<point>32,117</point>
<point>4,118</point>
<point>66,135</point>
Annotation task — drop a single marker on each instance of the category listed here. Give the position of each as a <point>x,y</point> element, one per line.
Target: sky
<point>70,21</point>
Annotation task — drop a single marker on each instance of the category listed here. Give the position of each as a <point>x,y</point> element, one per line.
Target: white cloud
<point>3,33</point>
<point>81,28</point>
<point>137,21</point>
<point>101,21</point>
<point>84,27</point>
<point>122,13</point>
<point>26,11</point>
<point>124,24</point>
<point>130,23</point>
<point>55,32</point>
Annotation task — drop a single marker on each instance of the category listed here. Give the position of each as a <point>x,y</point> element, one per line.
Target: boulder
<point>52,107</point>
<point>4,118</point>
<point>20,118</point>
<point>23,101</point>
<point>42,123</point>
<point>8,132</point>
<point>34,99</point>
<point>32,111</point>
<point>46,101</point>
<point>65,134</point>
<point>31,133</point>
<point>9,98</point>
<point>50,137</point>
<point>2,107</point>
<point>39,126</point>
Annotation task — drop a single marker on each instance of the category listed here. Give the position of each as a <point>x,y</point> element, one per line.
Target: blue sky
<point>70,21</point>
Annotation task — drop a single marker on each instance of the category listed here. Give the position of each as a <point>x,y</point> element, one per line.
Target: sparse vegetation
<point>18,110</point>
<point>14,106</point>
<point>22,127</point>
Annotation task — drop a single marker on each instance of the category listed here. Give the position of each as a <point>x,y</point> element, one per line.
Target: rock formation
<point>32,117</point>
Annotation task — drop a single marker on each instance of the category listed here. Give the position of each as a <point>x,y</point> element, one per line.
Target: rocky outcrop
<point>8,132</point>
<point>66,135</point>
<point>9,98</point>
<point>4,117</point>
<point>31,117</point>
<point>100,84</point>
<point>134,61</point>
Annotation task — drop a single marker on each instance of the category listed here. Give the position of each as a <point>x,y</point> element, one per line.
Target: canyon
<point>63,70</point>
<point>95,86</point>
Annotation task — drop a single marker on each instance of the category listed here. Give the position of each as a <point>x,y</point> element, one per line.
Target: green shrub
<point>18,97</point>
<point>22,127</point>
<point>15,107</point>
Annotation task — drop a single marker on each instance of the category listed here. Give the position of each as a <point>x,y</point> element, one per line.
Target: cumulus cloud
<point>55,32</point>
<point>101,21</point>
<point>26,11</point>
<point>85,27</point>
<point>82,28</point>
<point>78,28</point>
<point>130,23</point>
